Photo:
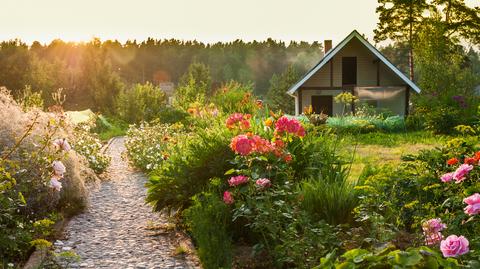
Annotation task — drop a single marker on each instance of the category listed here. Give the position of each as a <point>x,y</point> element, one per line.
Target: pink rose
<point>228,198</point>
<point>58,168</point>
<point>238,180</point>
<point>461,172</point>
<point>473,202</point>
<point>454,246</point>
<point>447,177</point>
<point>62,144</point>
<point>431,229</point>
<point>55,184</point>
<point>263,183</point>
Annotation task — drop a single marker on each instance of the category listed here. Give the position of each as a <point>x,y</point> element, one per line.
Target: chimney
<point>327,45</point>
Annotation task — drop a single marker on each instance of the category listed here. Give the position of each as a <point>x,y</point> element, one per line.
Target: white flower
<point>55,184</point>
<point>58,168</point>
<point>62,144</point>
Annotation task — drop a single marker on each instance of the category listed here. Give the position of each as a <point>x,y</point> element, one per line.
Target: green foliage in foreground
<point>208,220</point>
<point>355,124</point>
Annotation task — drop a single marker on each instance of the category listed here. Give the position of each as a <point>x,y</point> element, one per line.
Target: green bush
<point>192,162</point>
<point>235,97</point>
<point>355,124</point>
<point>88,145</point>
<point>141,102</point>
<point>208,220</point>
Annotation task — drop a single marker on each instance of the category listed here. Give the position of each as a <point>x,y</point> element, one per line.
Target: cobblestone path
<point>116,229</point>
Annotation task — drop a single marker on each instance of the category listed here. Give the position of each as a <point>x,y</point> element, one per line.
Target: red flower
<point>470,160</point>
<point>291,126</point>
<point>238,120</point>
<point>287,158</point>
<point>452,161</point>
<point>477,156</point>
<point>242,145</point>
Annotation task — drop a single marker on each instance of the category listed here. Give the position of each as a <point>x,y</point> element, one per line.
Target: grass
<point>385,148</point>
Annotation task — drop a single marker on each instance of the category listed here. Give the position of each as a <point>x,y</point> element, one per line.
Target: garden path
<point>118,230</point>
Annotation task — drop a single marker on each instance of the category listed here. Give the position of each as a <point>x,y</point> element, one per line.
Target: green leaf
<point>229,172</point>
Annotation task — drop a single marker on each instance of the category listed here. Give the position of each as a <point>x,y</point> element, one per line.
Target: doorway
<point>322,104</point>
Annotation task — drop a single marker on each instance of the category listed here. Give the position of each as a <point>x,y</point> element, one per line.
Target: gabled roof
<point>342,44</point>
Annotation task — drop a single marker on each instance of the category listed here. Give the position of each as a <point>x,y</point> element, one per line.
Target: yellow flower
<point>269,122</point>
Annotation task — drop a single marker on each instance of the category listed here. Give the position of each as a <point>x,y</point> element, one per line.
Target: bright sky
<point>203,20</point>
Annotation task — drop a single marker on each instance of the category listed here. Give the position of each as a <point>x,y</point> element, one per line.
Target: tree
<point>399,20</point>
<point>277,96</point>
<point>199,74</point>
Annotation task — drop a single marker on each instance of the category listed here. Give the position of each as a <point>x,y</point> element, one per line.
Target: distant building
<point>358,67</point>
<point>167,87</point>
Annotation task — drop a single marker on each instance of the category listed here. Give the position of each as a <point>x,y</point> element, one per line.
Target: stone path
<point>116,229</point>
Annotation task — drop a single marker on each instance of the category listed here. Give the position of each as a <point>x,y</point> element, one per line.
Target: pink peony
<point>238,180</point>
<point>262,145</point>
<point>461,172</point>
<point>473,202</point>
<point>263,183</point>
<point>291,126</point>
<point>58,168</point>
<point>62,144</point>
<point>242,145</point>
<point>55,184</point>
<point>228,198</point>
<point>454,246</point>
<point>447,177</point>
<point>432,230</point>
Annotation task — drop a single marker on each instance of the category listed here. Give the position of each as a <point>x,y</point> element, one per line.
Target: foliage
<point>235,97</point>
<point>31,99</point>
<point>194,86</point>
<point>88,145</point>
<point>141,102</point>
<point>345,98</point>
<point>107,128</point>
<point>277,96</point>
<point>209,219</point>
<point>148,145</point>
<point>367,124</point>
<point>421,257</point>
<point>191,164</point>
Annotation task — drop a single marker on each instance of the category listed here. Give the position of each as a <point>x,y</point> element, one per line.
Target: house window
<point>349,70</point>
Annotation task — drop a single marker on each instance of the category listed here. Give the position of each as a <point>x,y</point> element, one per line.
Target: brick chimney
<point>327,45</point>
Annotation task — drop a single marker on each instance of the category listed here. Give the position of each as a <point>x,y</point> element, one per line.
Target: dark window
<point>322,104</point>
<point>349,70</point>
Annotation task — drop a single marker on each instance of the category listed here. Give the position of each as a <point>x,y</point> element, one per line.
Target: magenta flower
<point>242,145</point>
<point>263,183</point>
<point>432,230</point>
<point>447,177</point>
<point>473,202</point>
<point>462,171</point>
<point>228,198</point>
<point>454,246</point>
<point>292,126</point>
<point>238,180</point>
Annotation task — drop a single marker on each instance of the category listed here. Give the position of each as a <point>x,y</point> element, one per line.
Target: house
<point>358,67</point>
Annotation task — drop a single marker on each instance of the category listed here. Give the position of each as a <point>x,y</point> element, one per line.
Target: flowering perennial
<point>462,171</point>
<point>291,126</point>
<point>452,161</point>
<point>473,204</point>
<point>432,230</point>
<point>238,120</point>
<point>228,198</point>
<point>263,183</point>
<point>62,144</point>
<point>454,246</point>
<point>238,180</point>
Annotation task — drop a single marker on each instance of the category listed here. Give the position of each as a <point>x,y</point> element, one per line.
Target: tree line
<point>93,73</point>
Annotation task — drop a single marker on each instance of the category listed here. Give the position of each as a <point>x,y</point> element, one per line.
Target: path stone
<point>114,232</point>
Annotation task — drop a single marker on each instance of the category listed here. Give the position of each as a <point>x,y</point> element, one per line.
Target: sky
<point>203,20</point>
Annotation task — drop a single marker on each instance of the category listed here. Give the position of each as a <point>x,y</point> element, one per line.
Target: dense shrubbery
<point>142,102</point>
<point>41,179</point>
<point>359,124</point>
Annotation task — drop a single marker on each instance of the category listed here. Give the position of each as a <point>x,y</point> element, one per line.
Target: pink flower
<point>62,144</point>
<point>432,230</point>
<point>291,126</point>
<point>55,184</point>
<point>454,246</point>
<point>242,145</point>
<point>473,202</point>
<point>228,198</point>
<point>461,172</point>
<point>263,183</point>
<point>238,180</point>
<point>58,168</point>
<point>447,177</point>
<point>261,145</point>
<point>238,119</point>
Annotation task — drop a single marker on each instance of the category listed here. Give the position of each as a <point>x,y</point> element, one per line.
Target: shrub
<point>192,162</point>
<point>354,124</point>
<point>88,145</point>
<point>208,220</point>
<point>235,97</point>
<point>141,102</point>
